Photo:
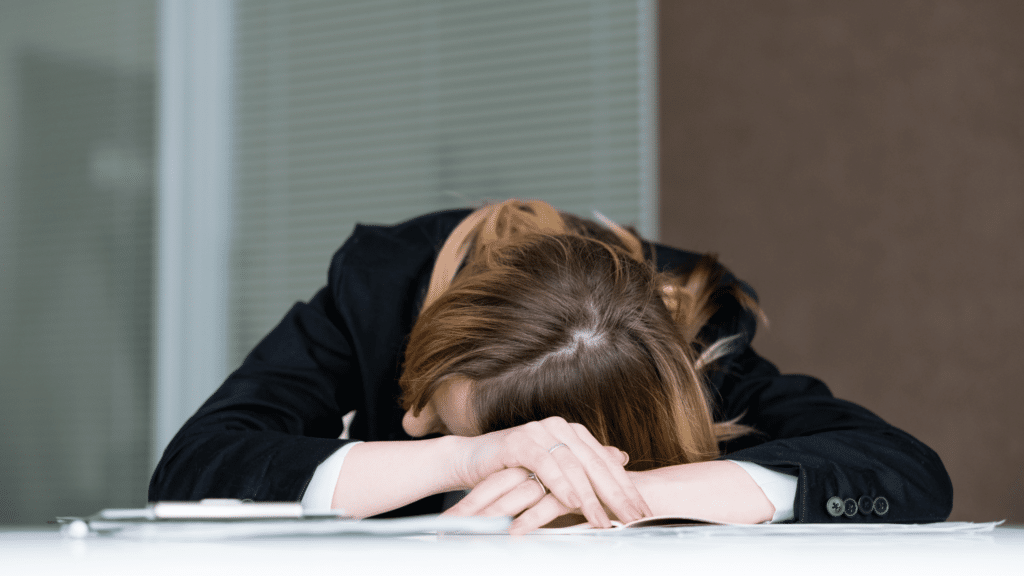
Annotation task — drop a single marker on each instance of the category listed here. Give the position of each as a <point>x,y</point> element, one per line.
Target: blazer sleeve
<point>851,466</point>
<point>274,420</point>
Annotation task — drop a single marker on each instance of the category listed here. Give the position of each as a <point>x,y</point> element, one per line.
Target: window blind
<point>376,112</point>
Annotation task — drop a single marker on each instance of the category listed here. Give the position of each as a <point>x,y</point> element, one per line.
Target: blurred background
<point>174,174</point>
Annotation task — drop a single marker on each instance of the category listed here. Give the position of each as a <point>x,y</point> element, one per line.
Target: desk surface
<point>47,552</point>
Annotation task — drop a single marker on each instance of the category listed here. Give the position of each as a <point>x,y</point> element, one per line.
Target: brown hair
<point>557,315</point>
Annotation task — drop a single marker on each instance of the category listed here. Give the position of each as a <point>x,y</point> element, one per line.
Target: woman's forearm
<point>719,491</point>
<point>381,476</point>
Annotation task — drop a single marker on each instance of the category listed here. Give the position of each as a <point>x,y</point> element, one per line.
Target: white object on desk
<point>226,508</point>
<point>218,519</point>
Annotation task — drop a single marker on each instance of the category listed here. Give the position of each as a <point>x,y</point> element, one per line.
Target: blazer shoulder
<point>395,245</point>
<point>433,227</point>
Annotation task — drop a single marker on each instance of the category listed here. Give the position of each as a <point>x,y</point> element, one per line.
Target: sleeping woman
<point>517,360</point>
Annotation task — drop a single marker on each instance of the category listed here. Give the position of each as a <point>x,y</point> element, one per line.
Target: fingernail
<point>600,519</point>
<point>629,516</point>
<point>639,512</point>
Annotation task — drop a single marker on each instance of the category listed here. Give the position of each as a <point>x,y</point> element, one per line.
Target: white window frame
<point>194,215</point>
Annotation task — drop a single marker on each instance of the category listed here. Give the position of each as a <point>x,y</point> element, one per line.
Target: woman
<point>553,366</point>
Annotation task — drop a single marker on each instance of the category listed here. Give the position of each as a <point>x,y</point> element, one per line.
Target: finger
<point>540,514</point>
<point>514,502</point>
<point>528,448</point>
<point>615,456</point>
<point>489,491</point>
<point>607,487</point>
<point>616,460</point>
<point>562,471</point>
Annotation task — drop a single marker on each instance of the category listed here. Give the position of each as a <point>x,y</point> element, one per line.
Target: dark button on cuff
<point>850,507</point>
<point>835,506</point>
<point>865,504</point>
<point>881,506</point>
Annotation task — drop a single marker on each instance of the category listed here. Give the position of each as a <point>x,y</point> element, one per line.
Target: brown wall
<point>861,164</point>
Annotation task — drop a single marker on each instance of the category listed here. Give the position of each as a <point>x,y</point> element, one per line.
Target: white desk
<point>42,551</point>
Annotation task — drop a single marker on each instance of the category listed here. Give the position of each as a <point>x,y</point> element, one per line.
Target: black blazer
<point>275,419</point>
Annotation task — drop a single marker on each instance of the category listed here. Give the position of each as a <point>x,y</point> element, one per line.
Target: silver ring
<point>556,447</point>
<point>533,476</point>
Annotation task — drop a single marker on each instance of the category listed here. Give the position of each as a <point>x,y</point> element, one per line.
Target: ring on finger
<point>533,476</point>
<point>556,447</point>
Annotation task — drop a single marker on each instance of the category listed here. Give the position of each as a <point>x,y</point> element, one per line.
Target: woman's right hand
<point>580,473</point>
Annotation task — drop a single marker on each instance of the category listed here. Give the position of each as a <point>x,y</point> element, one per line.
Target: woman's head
<point>554,316</point>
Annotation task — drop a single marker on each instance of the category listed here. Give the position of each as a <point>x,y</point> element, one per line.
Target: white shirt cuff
<point>320,491</point>
<point>780,488</point>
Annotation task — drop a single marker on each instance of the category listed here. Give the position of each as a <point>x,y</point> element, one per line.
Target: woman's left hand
<point>516,492</point>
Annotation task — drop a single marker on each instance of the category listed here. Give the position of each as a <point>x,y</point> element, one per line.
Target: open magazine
<point>676,525</point>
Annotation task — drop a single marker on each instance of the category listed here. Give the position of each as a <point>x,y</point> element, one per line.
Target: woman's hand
<point>515,492</point>
<point>582,475</point>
